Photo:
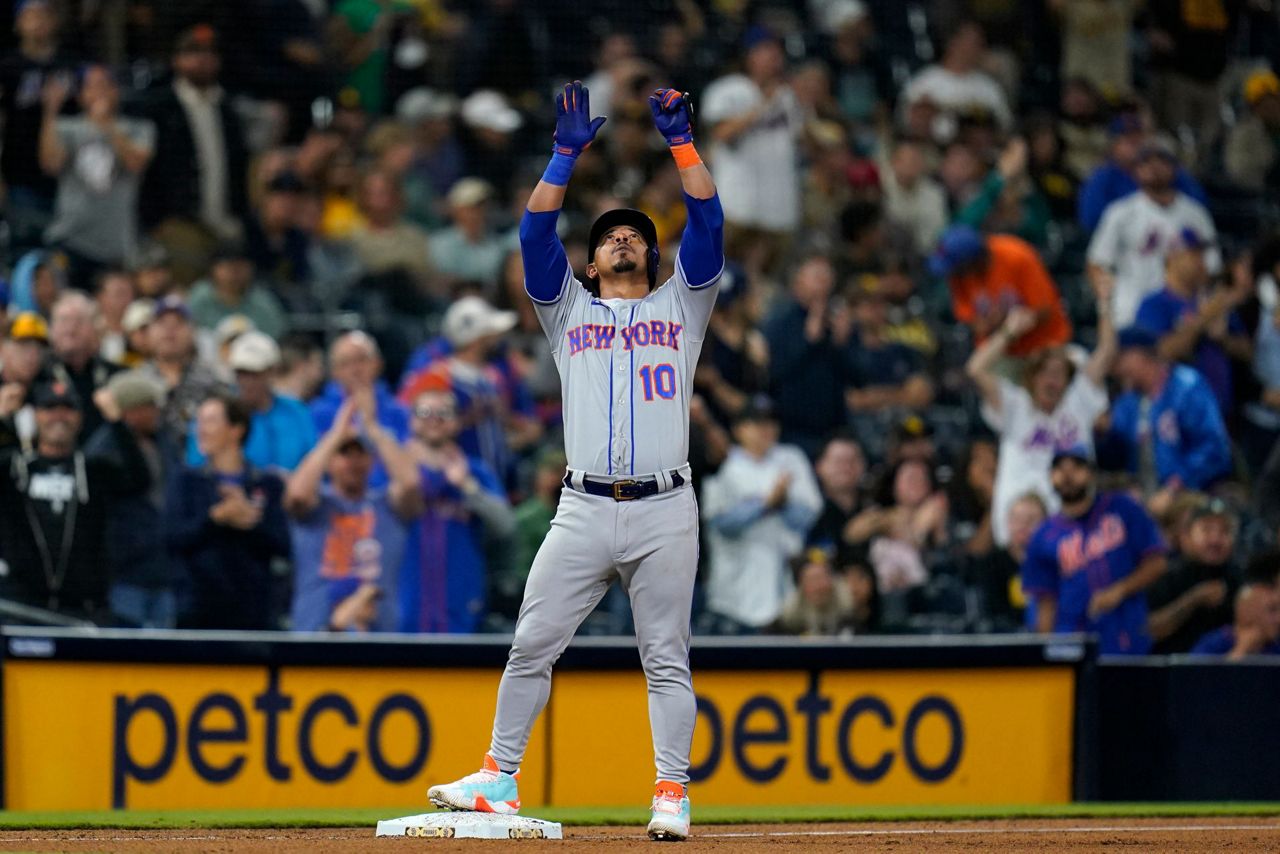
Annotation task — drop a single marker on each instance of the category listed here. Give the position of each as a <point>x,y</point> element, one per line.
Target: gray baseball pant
<point>651,545</point>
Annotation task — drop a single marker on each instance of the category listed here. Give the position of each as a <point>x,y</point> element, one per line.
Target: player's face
<point>1210,540</point>
<point>1071,480</point>
<point>621,251</point>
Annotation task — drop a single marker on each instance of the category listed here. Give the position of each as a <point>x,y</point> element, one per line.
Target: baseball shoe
<point>488,790</point>
<point>669,815</point>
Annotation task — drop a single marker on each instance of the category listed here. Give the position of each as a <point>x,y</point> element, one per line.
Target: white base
<point>470,825</point>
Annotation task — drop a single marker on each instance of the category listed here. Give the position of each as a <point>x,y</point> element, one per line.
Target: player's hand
<point>778,495</point>
<point>1105,601</point>
<point>672,115</point>
<point>575,129</point>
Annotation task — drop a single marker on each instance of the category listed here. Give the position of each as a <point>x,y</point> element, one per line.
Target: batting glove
<point>575,129</point>
<point>672,116</point>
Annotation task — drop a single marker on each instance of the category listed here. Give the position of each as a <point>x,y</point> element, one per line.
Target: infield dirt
<point>1034,835</point>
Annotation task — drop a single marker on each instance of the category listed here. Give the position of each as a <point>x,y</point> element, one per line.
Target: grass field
<point>598,816</point>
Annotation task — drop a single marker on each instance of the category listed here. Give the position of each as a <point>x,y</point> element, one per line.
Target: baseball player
<point>626,352</point>
<point>1087,567</point>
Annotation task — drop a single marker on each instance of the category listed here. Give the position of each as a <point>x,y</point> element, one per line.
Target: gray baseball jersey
<point>626,373</point>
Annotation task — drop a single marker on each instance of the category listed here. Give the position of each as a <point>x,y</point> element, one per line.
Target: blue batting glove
<point>575,129</point>
<point>671,116</point>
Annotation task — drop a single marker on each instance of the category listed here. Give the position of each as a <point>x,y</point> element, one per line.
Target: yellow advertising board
<point>94,736</point>
<point>876,737</point>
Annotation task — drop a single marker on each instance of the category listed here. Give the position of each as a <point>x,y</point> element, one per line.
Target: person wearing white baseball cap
<point>281,431</point>
<point>498,414</point>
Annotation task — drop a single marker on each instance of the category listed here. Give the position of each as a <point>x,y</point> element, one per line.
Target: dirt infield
<point>1110,835</point>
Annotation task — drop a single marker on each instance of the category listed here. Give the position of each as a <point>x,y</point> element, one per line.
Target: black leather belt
<point>624,490</point>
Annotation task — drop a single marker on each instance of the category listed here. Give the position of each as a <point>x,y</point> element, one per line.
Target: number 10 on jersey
<point>660,379</point>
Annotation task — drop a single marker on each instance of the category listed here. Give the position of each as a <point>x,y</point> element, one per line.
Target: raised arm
<point>702,245</point>
<point>981,365</point>
<point>302,489</point>
<point>1104,353</point>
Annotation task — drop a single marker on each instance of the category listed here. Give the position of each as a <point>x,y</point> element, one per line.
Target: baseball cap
<point>254,352</point>
<point>1157,147</point>
<point>55,393</point>
<point>31,4</point>
<point>356,440</point>
<point>286,182</point>
<point>1211,507</point>
<point>150,257</point>
<point>424,103</point>
<point>29,326</point>
<point>758,408</point>
<point>1260,84</point>
<point>172,305</point>
<point>1124,124</point>
<point>959,245</point>
<point>471,318</point>
<point>758,35</point>
<point>139,313</point>
<point>229,250</point>
<point>232,327</point>
<point>488,109</point>
<point>843,13</point>
<point>132,389</point>
<point>638,220</point>
<point>1079,452</point>
<point>1137,338</point>
<point>733,284</point>
<point>469,191</point>
<point>1186,240</point>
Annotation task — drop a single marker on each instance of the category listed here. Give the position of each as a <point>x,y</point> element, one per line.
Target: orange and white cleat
<point>488,790</point>
<point>669,815</point>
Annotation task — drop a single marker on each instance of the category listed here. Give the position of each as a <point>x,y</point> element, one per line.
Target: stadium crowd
<point>996,347</point>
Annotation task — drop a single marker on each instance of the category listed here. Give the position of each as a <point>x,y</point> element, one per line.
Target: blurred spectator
<point>55,499</point>
<point>1189,46</point>
<point>469,250</point>
<point>187,378</point>
<point>997,576</point>
<point>1255,629</point>
<point>225,524</point>
<point>821,602</point>
<point>22,353</point>
<point>988,276</point>
<point>755,121</point>
<point>807,335</point>
<point>75,342</point>
<point>281,431</point>
<point>438,159</point>
<point>860,77</point>
<point>355,367</point>
<point>1095,42</point>
<point>1088,567</point>
<point>909,519</point>
<point>1166,424</point>
<point>489,140</point>
<point>957,85</point>
<point>840,468</point>
<point>38,58</point>
<point>913,199</point>
<point>98,158</point>
<point>1009,201</point>
<point>884,375</point>
<point>113,292</point>
<point>1054,407</point>
<point>386,242</point>
<point>1118,177</point>
<point>495,413</point>
<point>134,327</point>
<point>865,595</point>
<point>196,186</point>
<point>734,363</point>
<point>343,532</point>
<point>970,498</point>
<point>153,272</point>
<point>278,55</point>
<point>443,581</point>
<point>277,248</point>
<point>143,577</point>
<point>231,289</point>
<point>1252,155</point>
<point>758,508</point>
<point>359,35</point>
<point>1048,167</point>
<point>300,373</point>
<point>1194,325</point>
<point>533,522</point>
<point>1136,232</point>
<point>1194,596</point>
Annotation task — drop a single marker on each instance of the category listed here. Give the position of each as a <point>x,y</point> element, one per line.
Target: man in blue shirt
<point>1087,567</point>
<point>348,538</point>
<point>1255,630</point>
<point>1166,427</point>
<point>1193,325</point>
<point>281,432</point>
